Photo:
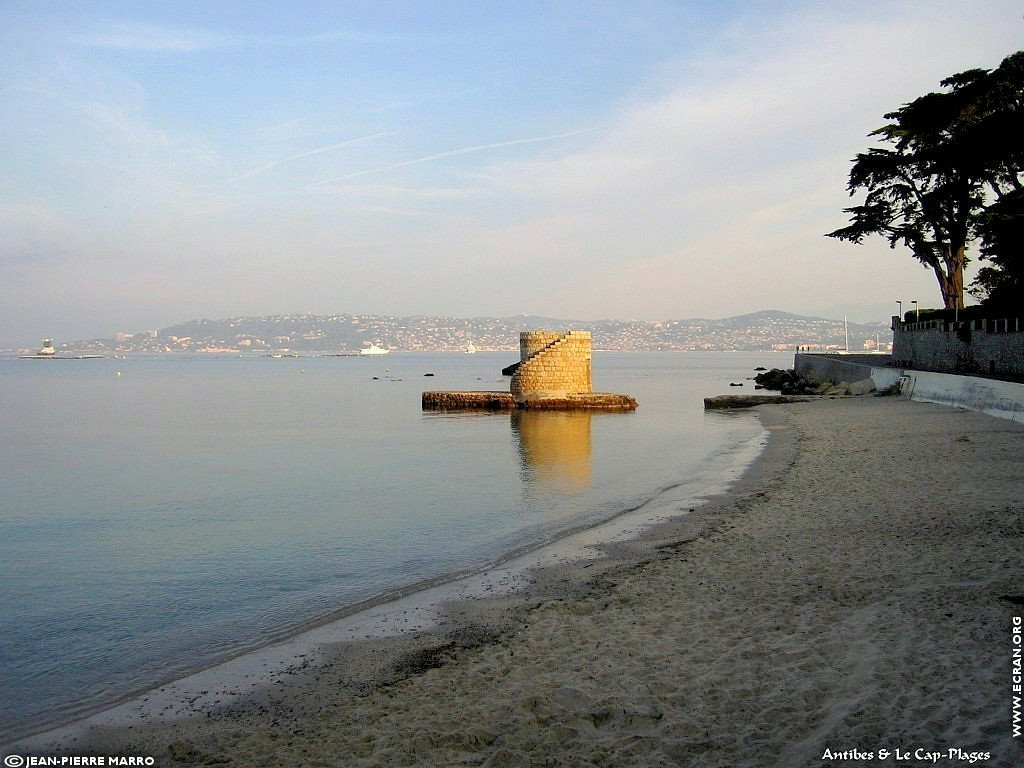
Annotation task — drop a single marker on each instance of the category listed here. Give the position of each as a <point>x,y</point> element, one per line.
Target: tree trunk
<point>950,275</point>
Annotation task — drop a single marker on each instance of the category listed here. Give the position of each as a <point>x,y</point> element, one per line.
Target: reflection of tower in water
<point>554,447</point>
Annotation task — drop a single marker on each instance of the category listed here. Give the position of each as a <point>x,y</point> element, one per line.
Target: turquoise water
<point>158,514</point>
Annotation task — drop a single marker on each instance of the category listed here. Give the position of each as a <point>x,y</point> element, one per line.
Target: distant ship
<point>373,349</point>
<point>470,348</point>
<point>49,353</point>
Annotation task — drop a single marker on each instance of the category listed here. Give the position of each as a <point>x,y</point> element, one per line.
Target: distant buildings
<point>768,330</point>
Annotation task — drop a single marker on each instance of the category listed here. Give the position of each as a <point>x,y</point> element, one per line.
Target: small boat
<point>48,352</point>
<point>470,348</point>
<point>373,349</point>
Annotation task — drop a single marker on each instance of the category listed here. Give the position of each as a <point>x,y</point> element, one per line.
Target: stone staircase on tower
<point>552,365</point>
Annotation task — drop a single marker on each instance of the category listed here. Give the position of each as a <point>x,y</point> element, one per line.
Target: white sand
<point>855,591</point>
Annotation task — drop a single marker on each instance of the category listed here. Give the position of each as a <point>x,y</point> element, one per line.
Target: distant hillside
<point>764,330</point>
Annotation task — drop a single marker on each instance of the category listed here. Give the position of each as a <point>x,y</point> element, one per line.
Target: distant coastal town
<point>340,333</point>
<point>298,333</point>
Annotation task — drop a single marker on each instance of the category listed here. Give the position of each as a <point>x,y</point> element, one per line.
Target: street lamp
<point>899,309</point>
<point>917,311</point>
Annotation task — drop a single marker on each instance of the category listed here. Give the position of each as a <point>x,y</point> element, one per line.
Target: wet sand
<point>854,591</point>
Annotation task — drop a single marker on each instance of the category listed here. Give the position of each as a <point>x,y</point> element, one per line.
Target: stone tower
<point>552,365</point>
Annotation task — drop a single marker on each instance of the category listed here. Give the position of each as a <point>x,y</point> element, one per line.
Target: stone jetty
<point>459,401</point>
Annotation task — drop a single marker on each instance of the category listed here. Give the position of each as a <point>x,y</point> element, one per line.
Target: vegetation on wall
<point>1000,284</point>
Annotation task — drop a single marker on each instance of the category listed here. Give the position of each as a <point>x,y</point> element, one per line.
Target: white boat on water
<point>48,352</point>
<point>373,349</point>
<point>470,348</point>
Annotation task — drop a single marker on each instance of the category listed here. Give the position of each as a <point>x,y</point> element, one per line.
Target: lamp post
<point>917,311</point>
<point>899,309</point>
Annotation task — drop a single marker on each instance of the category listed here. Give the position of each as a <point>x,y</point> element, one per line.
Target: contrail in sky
<point>317,151</point>
<point>454,152</point>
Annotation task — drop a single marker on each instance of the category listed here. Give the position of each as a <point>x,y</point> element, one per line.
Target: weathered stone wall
<point>975,346</point>
<point>590,401</point>
<point>552,365</point>
<point>457,401</point>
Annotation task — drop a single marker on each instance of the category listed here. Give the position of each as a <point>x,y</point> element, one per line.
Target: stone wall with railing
<point>994,347</point>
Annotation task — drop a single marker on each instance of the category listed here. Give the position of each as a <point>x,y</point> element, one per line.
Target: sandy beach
<point>850,601</point>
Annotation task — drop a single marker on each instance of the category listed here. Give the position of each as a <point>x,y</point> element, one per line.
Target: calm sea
<point>157,514</point>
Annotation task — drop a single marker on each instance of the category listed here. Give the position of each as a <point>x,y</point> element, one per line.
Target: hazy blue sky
<point>652,160</point>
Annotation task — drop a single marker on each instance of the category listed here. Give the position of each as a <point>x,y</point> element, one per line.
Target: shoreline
<point>852,590</point>
<point>403,621</point>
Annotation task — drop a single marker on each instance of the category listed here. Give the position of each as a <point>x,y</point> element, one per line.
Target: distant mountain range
<point>309,333</point>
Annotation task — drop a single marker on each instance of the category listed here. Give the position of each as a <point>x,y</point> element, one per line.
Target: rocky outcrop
<point>725,402</point>
<point>791,383</point>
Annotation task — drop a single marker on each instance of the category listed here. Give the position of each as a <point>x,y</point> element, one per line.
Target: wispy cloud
<point>718,163</point>
<point>455,153</point>
<point>156,38</point>
<point>309,153</point>
<point>146,37</point>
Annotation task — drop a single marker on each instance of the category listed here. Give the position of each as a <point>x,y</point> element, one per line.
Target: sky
<point>649,160</point>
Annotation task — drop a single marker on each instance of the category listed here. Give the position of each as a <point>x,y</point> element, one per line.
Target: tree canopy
<point>1001,284</point>
<point>952,157</point>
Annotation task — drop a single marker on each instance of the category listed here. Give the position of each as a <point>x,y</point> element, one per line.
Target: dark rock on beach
<point>725,402</point>
<point>785,381</point>
<point>788,382</point>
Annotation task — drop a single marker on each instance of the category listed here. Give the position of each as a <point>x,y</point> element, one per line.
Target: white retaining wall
<point>1004,399</point>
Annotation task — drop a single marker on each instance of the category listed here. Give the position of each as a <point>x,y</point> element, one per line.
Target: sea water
<point>158,514</point>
